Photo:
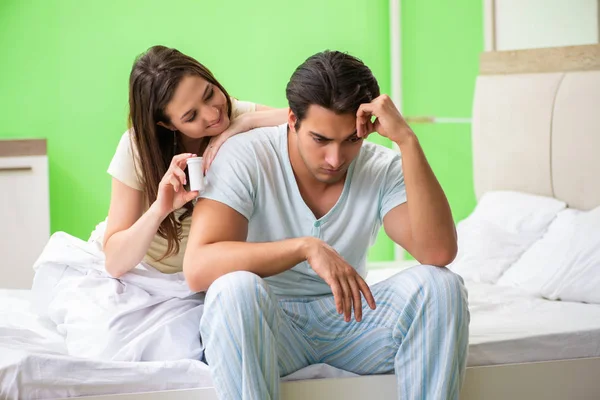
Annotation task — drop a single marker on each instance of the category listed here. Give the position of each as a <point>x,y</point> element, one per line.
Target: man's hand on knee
<point>346,284</point>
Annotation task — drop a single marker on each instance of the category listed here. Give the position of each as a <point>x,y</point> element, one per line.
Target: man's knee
<point>442,279</point>
<point>434,283</point>
<point>238,300</point>
<point>446,289</point>
<point>235,287</point>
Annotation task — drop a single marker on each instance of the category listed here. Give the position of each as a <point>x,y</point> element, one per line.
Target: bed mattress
<point>507,326</point>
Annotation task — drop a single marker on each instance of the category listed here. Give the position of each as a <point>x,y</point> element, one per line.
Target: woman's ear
<point>168,126</point>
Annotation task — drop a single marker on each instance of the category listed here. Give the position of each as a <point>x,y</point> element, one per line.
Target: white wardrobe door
<point>24,217</point>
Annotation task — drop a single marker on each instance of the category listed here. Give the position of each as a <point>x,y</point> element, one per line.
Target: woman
<point>176,106</point>
<point>177,110</point>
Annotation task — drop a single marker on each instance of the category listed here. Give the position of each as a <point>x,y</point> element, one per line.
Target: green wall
<point>441,43</point>
<point>65,64</point>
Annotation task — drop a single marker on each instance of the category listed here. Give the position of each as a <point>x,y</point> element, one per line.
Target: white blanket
<point>34,363</point>
<point>143,316</point>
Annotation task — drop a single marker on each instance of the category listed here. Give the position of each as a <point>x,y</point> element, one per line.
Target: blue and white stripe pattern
<point>419,331</point>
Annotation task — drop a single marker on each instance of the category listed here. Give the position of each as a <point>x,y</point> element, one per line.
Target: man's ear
<point>292,120</point>
<point>168,126</point>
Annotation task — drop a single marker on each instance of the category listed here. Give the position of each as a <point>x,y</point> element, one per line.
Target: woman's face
<point>197,109</point>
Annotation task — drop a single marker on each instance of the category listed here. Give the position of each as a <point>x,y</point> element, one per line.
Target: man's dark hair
<point>333,80</point>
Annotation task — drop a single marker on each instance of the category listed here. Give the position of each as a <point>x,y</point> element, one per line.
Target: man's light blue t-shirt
<point>253,175</point>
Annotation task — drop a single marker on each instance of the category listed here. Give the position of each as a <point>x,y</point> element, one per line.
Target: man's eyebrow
<point>318,135</point>
<point>352,134</point>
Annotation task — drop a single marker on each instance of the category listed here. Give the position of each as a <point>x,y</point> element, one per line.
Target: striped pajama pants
<point>419,330</point>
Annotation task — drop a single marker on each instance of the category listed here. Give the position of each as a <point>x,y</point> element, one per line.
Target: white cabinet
<point>24,209</point>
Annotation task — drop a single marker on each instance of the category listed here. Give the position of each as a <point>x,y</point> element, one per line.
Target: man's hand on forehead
<point>382,116</point>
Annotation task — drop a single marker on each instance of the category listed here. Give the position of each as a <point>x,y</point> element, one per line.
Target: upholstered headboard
<point>536,124</point>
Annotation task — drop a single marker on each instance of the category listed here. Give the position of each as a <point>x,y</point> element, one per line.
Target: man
<point>280,238</point>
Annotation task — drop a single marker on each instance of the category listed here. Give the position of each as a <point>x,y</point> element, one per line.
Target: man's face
<point>326,142</point>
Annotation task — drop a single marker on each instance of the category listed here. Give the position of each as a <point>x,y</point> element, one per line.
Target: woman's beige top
<point>123,168</point>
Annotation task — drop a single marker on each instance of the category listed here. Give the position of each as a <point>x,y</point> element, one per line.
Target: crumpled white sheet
<point>79,332</point>
<point>143,316</point>
<point>34,363</point>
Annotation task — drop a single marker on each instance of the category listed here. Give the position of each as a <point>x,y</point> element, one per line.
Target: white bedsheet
<point>80,332</point>
<point>507,326</point>
<point>36,361</point>
<point>511,326</point>
<point>143,316</point>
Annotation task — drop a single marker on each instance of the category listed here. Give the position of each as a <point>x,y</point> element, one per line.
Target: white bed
<point>507,327</point>
<point>535,131</point>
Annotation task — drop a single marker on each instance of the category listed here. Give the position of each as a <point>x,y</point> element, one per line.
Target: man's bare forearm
<point>204,264</point>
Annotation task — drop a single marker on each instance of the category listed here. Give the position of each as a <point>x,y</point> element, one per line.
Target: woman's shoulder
<point>124,165</point>
<point>239,107</point>
<point>126,141</point>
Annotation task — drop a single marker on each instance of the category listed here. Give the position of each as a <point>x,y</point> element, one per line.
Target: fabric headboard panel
<point>576,140</point>
<point>538,133</point>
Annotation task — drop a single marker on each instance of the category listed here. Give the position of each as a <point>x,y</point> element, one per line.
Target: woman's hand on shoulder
<point>237,126</point>
<point>263,116</point>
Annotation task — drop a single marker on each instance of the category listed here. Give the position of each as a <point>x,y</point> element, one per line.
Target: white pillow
<point>565,263</point>
<point>502,226</point>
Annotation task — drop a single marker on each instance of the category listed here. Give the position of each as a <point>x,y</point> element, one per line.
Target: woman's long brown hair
<point>152,82</point>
